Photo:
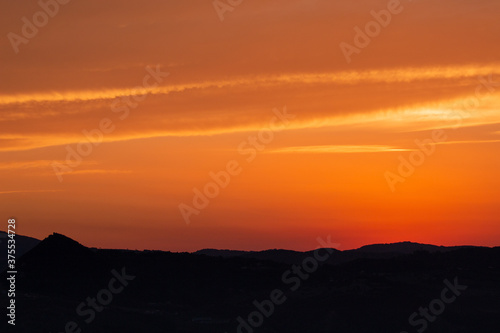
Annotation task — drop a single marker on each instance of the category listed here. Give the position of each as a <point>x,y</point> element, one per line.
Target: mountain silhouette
<point>61,259</point>
<point>374,251</point>
<point>60,246</point>
<point>220,291</point>
<point>405,247</point>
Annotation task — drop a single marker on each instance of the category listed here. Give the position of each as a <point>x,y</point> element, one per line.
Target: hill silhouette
<point>374,251</point>
<point>208,292</point>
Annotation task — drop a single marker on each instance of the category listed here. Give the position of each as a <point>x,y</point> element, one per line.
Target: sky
<point>182,125</point>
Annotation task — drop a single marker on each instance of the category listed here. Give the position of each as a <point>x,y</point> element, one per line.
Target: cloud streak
<point>401,75</point>
<point>29,191</point>
<point>337,149</point>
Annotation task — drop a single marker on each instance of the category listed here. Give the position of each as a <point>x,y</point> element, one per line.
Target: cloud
<point>26,164</point>
<point>336,149</point>
<point>95,171</point>
<point>401,75</point>
<point>29,191</point>
<point>467,142</point>
<point>150,122</point>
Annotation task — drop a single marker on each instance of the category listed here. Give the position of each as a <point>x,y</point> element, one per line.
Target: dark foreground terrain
<point>63,286</point>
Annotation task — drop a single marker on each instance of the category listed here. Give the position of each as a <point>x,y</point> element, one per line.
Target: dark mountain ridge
<point>373,251</point>
<point>200,292</point>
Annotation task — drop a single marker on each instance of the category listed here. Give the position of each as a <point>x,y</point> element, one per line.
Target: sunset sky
<point>329,168</point>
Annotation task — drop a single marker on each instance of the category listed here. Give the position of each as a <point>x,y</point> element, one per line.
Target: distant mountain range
<point>374,251</point>
<point>372,289</point>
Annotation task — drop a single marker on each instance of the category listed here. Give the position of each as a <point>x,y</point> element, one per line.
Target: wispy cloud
<point>29,191</point>
<point>341,77</point>
<point>97,171</point>
<point>468,142</point>
<point>336,149</point>
<point>26,164</point>
<point>440,115</point>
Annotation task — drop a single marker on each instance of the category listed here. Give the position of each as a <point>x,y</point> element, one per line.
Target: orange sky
<point>433,71</point>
